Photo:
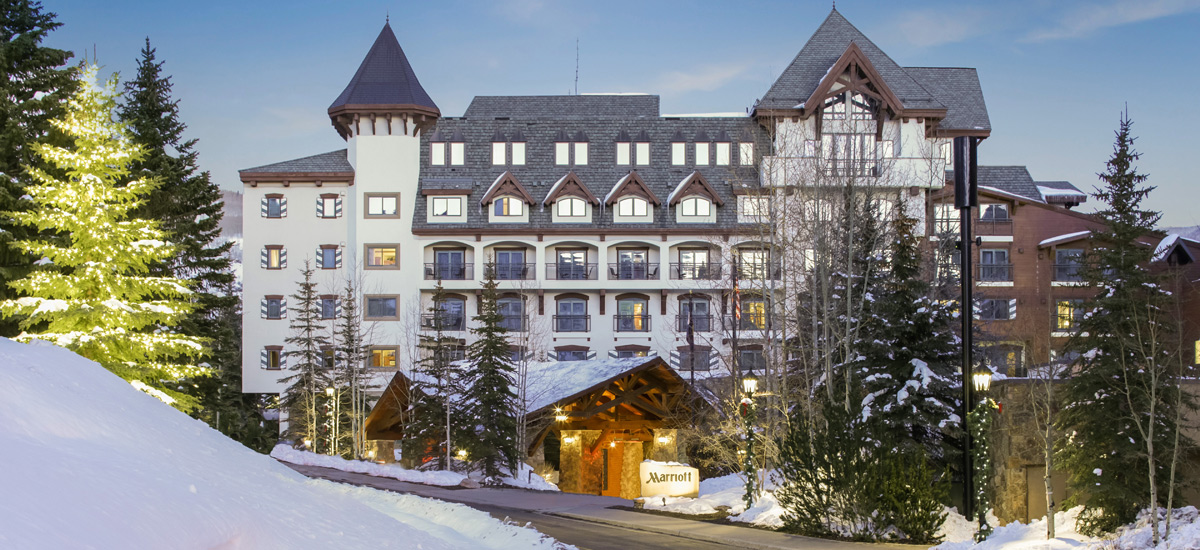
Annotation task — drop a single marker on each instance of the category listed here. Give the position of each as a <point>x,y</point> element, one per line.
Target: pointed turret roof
<point>385,84</point>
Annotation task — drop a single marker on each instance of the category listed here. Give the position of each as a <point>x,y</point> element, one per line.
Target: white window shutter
<point>320,258</point>
<point>283,207</point>
<point>263,207</point>
<point>320,207</point>
<point>612,354</point>
<point>1012,308</point>
<point>282,360</point>
<point>283,308</point>
<point>591,355</point>
<point>975,308</point>
<point>674,359</point>
<point>263,308</point>
<point>282,258</point>
<point>527,356</point>
<point>263,263</point>
<point>651,353</point>
<point>263,359</point>
<point>337,207</point>
<point>551,356</point>
<point>337,258</point>
<point>337,307</point>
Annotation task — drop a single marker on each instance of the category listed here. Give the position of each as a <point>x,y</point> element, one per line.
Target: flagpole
<point>737,319</point>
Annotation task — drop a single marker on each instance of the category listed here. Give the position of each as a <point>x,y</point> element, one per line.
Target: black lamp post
<point>966,196</point>
<point>749,386</point>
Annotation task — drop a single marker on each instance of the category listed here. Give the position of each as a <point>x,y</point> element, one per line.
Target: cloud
<point>925,28</point>
<point>1085,20</point>
<point>703,79</point>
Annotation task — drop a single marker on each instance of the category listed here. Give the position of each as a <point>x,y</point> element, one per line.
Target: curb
<point>732,543</point>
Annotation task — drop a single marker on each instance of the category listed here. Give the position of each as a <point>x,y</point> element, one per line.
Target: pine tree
<point>1118,415</point>
<point>36,84</point>
<point>492,402</point>
<point>306,360</point>
<point>430,433</point>
<point>91,292</point>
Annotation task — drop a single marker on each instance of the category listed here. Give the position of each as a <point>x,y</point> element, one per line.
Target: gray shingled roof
<point>958,89</point>
<point>540,173</point>
<point>561,107</point>
<point>1010,179</point>
<point>798,81</point>
<point>385,78</point>
<point>333,161</point>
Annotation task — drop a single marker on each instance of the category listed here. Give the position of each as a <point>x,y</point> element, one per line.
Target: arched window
<point>696,206</point>
<point>512,309</point>
<point>571,207</point>
<point>508,206</point>
<point>632,206</point>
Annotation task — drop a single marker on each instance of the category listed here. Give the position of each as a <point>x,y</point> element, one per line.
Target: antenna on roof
<point>387,17</point>
<point>576,65</point>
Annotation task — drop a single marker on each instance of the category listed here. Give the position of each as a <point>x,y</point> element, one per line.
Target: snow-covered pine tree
<point>434,397</point>
<point>491,401</point>
<point>306,360</point>
<point>91,292</point>
<point>907,357</point>
<point>35,83</point>
<point>1118,416</point>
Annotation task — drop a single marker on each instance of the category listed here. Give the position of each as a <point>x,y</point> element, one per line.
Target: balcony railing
<point>1002,226</point>
<point>449,272</point>
<point>747,322</point>
<point>570,272</point>
<point>852,167</point>
<point>632,271</point>
<point>700,323</point>
<point>758,271</point>
<point>631,323</point>
<point>572,323</point>
<point>515,323</point>
<point>995,273</point>
<point>1067,273</point>
<point>443,321</point>
<point>513,272</point>
<point>696,271</point>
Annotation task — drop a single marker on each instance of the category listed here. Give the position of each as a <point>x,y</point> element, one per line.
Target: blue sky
<point>255,78</point>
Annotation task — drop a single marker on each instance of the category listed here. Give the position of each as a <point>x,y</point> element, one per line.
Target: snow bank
<point>726,492</point>
<point>1015,536</point>
<point>89,461</point>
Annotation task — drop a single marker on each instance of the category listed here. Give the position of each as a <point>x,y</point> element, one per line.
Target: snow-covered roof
<point>679,188</point>
<point>554,188</point>
<point>1054,191</point>
<point>620,183</point>
<point>1006,194</point>
<point>1064,238</point>
<point>551,381</point>
<point>494,185</point>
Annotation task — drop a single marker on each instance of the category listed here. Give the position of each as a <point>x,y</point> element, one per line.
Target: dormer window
<point>508,206</point>
<point>746,153</point>
<point>702,154</point>
<point>458,148</point>
<point>571,207</point>
<point>643,149</point>
<point>723,153</point>
<point>695,207</point>
<point>632,206</point>
<point>623,153</point>
<point>678,150</point>
<point>518,149</point>
<point>437,150</point>
<point>581,153</point>
<point>562,149</point>
<point>499,153</point>
<point>993,212</point>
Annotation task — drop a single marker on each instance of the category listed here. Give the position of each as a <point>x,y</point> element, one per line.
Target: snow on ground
<point>1016,535</point>
<point>441,478</point>
<point>91,462</point>
<point>725,491</point>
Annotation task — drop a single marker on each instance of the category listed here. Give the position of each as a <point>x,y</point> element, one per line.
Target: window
<point>451,314</point>
<point>701,360</point>
<point>512,309</point>
<point>330,257</point>
<point>723,153</point>
<point>572,266</point>
<point>329,307</point>
<point>702,154</point>
<point>518,153</point>
<point>994,266</point>
<point>1067,312</point>
<point>274,206</point>
<point>694,264</point>
<point>993,212</point>
<point>754,313</point>
<point>382,307</point>
<point>510,265</point>
<point>272,357</point>
<point>678,153</point>
<point>947,153</point>
<point>571,354</point>
<point>643,154</point>
<point>273,307</point>
<point>995,310</point>
<point>437,153</point>
<point>746,153</point>
<point>447,206</point>
<point>849,154</point>
<point>274,257</point>
<point>628,353</point>
<point>695,310</point>
<point>329,206</point>
<point>508,206</point>
<point>383,357</point>
<point>381,256</point>
<point>1066,264</point>
<point>818,210</point>
<point>623,153</point>
<point>562,153</point>
<point>498,153</point>
<point>383,206</point>
<point>631,264</point>
<point>751,359</point>
<point>1007,358</point>
<point>581,149</point>
<point>328,357</point>
<point>449,264</point>
<point>632,207</point>
<point>695,206</point>
<point>946,219</point>
<point>571,207</point>
<point>632,315</point>
<point>571,316</point>
<point>753,209</point>
<point>457,153</point>
<point>753,264</point>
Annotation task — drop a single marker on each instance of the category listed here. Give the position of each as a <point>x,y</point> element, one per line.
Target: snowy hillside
<point>87,461</point>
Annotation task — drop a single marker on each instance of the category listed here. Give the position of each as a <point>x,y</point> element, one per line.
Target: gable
<point>631,184</point>
<point>507,184</point>
<point>570,186</point>
<point>694,184</point>
<point>853,72</point>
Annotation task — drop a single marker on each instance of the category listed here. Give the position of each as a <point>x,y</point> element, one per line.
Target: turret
<point>384,97</point>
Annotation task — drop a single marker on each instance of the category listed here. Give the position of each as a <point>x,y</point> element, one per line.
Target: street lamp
<point>331,406</point>
<point>749,386</point>
<point>981,379</point>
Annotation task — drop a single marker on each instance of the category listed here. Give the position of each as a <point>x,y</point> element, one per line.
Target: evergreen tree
<point>91,292</point>
<point>36,84</point>
<point>1119,401</point>
<point>306,359</point>
<point>907,356</point>
<point>492,402</point>
<point>433,400</point>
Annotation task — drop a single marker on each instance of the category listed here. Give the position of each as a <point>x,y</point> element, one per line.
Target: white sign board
<point>663,479</point>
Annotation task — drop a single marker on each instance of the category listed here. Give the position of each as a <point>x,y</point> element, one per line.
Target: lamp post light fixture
<point>749,386</point>
<point>981,379</point>
<point>332,406</point>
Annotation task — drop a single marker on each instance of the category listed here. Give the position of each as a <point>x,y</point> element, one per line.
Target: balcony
<point>631,323</point>
<point>571,272</point>
<point>700,323</point>
<point>632,272</point>
<point>760,271</point>
<point>994,227</point>
<point>696,271</point>
<point>851,167</point>
<point>995,273</point>
<point>1067,273</point>
<point>513,272</point>
<point>515,323</point>
<point>442,321</point>
<point>449,272</point>
<point>747,322</point>
<point>572,323</point>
